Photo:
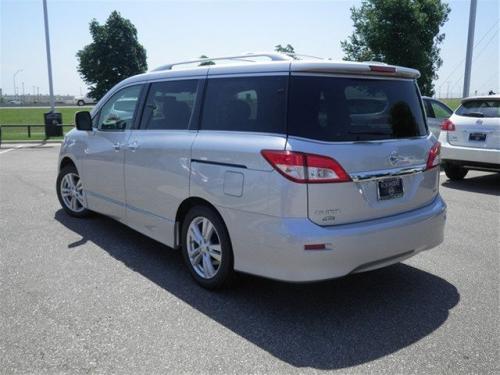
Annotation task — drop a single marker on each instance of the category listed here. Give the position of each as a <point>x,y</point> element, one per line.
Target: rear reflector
<point>306,168</point>
<point>447,125</point>
<point>433,159</point>
<point>382,69</point>
<point>318,246</point>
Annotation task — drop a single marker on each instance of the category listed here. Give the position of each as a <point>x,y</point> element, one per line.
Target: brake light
<point>382,69</point>
<point>433,159</point>
<point>447,125</point>
<point>306,168</point>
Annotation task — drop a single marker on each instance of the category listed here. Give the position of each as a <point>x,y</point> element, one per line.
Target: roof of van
<point>283,63</point>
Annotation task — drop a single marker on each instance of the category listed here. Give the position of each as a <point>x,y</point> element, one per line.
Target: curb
<point>29,142</point>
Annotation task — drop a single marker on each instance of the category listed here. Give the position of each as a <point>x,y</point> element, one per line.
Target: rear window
<point>354,109</point>
<point>255,104</point>
<point>480,108</point>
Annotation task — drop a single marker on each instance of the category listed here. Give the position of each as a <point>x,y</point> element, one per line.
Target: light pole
<point>52,118</point>
<point>470,45</point>
<point>49,62</point>
<point>14,79</point>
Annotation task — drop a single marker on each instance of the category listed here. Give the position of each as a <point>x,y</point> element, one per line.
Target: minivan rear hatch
<point>374,128</point>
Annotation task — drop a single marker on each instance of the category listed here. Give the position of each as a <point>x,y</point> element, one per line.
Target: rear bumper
<point>469,155</point>
<point>273,247</point>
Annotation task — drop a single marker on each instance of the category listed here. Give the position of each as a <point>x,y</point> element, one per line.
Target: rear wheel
<point>455,172</point>
<point>206,248</point>
<point>70,192</point>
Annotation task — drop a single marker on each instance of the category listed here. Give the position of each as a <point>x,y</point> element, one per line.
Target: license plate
<point>390,188</point>
<point>477,137</point>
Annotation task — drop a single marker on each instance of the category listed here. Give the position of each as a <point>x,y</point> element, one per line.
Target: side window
<point>255,104</point>
<point>169,105</point>
<point>428,109</point>
<point>440,110</point>
<point>118,112</point>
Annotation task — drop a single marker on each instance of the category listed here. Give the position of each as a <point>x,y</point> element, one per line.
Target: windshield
<point>480,108</point>
<point>354,109</point>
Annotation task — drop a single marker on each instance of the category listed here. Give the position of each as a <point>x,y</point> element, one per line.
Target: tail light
<point>306,168</point>
<point>433,159</point>
<point>447,125</point>
<point>382,69</point>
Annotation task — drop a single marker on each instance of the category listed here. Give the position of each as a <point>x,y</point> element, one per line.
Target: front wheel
<point>81,103</point>
<point>455,172</point>
<point>206,248</point>
<point>70,192</point>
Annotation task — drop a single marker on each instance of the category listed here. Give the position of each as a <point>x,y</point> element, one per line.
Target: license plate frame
<point>477,137</point>
<point>390,188</point>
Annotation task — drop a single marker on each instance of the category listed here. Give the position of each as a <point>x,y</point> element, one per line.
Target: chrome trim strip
<point>376,175</point>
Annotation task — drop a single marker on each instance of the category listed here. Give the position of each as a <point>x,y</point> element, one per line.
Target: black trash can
<point>53,124</point>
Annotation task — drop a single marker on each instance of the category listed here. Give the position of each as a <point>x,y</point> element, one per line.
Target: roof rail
<point>246,57</point>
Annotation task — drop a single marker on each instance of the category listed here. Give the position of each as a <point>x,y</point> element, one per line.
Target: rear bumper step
<point>488,167</point>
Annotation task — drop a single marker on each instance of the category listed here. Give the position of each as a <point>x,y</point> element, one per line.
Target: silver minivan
<point>296,170</point>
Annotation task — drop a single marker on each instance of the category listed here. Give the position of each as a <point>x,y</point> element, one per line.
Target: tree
<point>114,55</point>
<point>400,32</point>
<point>204,63</point>
<point>288,49</point>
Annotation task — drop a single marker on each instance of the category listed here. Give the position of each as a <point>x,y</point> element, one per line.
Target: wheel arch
<point>65,161</point>
<point>182,211</point>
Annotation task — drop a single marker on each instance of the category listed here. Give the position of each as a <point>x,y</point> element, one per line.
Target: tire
<point>455,172</point>
<point>73,200</point>
<point>210,265</point>
<point>80,103</point>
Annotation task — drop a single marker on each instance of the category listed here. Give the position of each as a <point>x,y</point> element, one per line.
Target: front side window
<point>254,104</point>
<point>354,109</point>
<point>169,105</point>
<point>118,112</point>
<point>480,108</point>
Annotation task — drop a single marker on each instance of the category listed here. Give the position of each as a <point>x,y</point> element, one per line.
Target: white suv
<point>288,169</point>
<point>470,138</point>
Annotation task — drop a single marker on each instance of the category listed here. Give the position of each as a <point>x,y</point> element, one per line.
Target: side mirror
<point>83,121</point>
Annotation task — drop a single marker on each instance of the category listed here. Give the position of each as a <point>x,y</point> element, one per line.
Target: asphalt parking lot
<point>92,296</point>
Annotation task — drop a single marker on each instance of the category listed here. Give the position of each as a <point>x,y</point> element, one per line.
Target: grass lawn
<point>32,116</point>
<point>452,103</point>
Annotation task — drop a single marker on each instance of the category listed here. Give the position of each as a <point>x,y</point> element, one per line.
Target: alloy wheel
<point>72,192</point>
<point>204,247</point>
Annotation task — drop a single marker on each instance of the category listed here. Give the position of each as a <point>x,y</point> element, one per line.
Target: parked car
<point>470,138</point>
<point>436,112</point>
<point>15,102</point>
<point>83,100</point>
<point>294,170</point>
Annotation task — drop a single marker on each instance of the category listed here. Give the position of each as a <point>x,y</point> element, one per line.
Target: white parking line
<point>11,149</point>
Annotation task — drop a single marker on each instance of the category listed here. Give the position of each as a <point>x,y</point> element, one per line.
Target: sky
<point>180,30</point>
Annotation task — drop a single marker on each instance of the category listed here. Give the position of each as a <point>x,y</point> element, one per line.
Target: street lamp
<point>14,79</point>
<point>52,118</point>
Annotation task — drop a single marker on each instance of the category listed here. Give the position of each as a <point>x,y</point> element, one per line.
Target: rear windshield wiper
<point>473,114</point>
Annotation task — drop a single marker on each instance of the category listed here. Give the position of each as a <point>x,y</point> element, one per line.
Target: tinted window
<point>428,109</point>
<point>118,112</point>
<point>169,105</point>
<point>440,111</point>
<point>480,108</point>
<point>351,109</point>
<point>255,104</point>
